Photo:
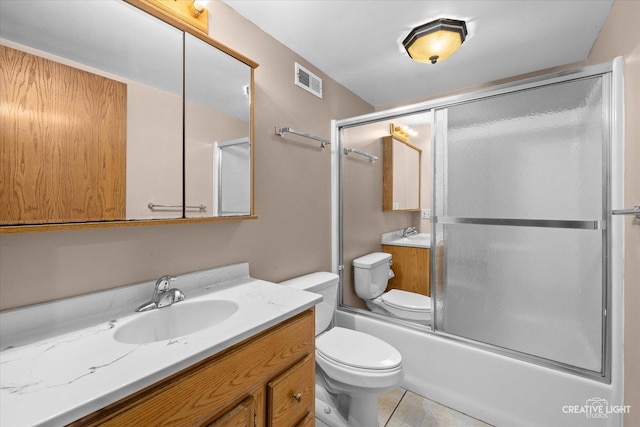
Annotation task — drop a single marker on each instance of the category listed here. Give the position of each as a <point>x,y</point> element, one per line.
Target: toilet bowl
<point>371,274</point>
<point>351,367</point>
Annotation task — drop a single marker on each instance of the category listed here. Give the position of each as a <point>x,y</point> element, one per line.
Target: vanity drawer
<point>291,395</point>
<point>240,415</point>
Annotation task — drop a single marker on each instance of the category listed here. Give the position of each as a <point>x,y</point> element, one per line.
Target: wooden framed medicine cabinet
<point>119,127</point>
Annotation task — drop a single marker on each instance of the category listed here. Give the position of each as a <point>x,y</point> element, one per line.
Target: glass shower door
<point>520,239</point>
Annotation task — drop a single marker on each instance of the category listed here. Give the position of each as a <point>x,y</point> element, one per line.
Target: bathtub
<point>494,388</point>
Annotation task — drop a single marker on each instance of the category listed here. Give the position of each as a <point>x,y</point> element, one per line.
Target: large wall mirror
<point>111,114</point>
<point>370,222</point>
<point>217,112</point>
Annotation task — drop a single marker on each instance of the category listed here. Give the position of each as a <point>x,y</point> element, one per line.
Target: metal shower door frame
<point>612,226</point>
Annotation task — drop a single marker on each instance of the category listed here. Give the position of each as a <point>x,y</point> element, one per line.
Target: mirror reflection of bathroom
<point>386,220</point>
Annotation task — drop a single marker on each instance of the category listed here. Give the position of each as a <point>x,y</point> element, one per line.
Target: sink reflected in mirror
<point>426,237</point>
<point>175,321</point>
<point>419,240</point>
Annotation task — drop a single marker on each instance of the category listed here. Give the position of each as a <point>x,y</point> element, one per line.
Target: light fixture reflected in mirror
<point>198,8</point>
<point>435,40</point>
<point>402,132</point>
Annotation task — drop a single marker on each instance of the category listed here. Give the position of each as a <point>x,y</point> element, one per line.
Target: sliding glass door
<point>520,242</point>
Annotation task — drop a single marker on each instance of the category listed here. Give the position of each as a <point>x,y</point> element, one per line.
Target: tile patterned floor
<point>402,408</point>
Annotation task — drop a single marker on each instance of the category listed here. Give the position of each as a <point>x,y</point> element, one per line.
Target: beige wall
<point>620,36</point>
<point>291,237</point>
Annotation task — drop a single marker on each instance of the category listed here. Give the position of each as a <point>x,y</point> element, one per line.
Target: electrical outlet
<point>425,213</point>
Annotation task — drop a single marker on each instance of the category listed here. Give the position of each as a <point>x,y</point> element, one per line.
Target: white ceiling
<point>359,42</point>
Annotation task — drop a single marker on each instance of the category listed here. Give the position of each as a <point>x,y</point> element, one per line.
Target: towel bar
<point>635,211</point>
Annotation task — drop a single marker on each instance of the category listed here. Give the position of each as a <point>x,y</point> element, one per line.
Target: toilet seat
<point>408,301</point>
<point>350,360</point>
<point>358,350</point>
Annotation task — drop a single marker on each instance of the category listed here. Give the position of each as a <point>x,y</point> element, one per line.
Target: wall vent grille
<point>308,81</point>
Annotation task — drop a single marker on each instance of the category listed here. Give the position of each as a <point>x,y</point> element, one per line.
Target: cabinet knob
<point>297,397</point>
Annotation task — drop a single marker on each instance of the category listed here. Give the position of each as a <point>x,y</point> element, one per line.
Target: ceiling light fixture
<point>435,40</point>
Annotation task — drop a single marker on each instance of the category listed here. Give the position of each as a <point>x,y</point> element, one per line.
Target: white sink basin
<point>177,320</point>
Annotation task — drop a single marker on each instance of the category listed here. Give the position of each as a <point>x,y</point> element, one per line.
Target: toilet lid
<point>357,349</point>
<point>407,300</point>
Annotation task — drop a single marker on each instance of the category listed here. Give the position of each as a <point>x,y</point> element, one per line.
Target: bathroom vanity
<point>267,379</point>
<point>411,261</point>
<point>64,363</point>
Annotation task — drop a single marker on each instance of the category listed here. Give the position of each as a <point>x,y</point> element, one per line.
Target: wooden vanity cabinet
<point>265,381</point>
<point>412,268</point>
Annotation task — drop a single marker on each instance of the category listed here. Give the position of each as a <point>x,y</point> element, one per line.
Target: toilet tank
<point>371,274</point>
<point>325,284</point>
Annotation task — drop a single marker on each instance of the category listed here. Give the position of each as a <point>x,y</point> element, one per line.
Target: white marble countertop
<point>64,373</point>
<point>394,238</point>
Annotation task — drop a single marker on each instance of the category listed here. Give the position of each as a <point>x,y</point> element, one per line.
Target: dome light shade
<point>436,40</point>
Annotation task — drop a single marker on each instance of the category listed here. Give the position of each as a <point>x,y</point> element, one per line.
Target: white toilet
<point>351,366</point>
<point>371,274</point>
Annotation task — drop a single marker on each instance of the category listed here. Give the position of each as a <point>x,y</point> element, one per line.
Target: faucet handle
<point>164,283</point>
<point>178,295</point>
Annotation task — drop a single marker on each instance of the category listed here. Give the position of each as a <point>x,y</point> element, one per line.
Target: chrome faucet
<point>409,231</point>
<point>163,294</point>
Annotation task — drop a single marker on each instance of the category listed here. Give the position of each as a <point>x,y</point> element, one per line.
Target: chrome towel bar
<point>323,142</point>
<point>156,207</point>
<point>371,157</point>
<point>635,211</point>
<point>282,131</point>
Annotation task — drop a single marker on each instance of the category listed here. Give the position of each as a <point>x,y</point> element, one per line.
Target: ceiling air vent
<point>308,81</point>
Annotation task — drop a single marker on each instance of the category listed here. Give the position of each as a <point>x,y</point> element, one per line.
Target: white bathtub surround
<point>59,361</point>
<point>499,390</point>
<point>394,238</point>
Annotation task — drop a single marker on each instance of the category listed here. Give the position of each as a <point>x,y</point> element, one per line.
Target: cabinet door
<point>241,415</point>
<point>291,394</point>
<point>64,142</point>
<point>411,267</point>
